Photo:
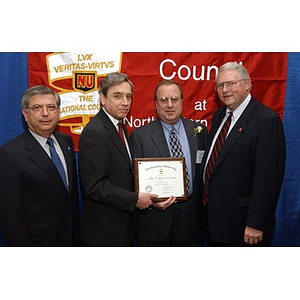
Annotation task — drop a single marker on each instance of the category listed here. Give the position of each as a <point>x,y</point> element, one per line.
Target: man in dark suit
<point>243,179</point>
<point>39,207</point>
<point>106,170</point>
<point>171,223</point>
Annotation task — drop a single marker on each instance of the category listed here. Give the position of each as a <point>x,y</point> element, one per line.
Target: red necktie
<point>214,155</point>
<point>121,132</point>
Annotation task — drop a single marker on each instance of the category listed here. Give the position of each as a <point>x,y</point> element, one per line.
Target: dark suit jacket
<point>107,177</point>
<point>35,207</point>
<point>149,141</point>
<point>246,180</point>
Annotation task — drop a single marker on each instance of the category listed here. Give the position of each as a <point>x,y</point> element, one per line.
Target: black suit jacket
<point>245,183</point>
<point>107,177</point>
<point>149,141</point>
<point>35,207</point>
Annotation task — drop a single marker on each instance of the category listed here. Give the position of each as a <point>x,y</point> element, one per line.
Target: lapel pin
<point>69,148</point>
<point>240,129</point>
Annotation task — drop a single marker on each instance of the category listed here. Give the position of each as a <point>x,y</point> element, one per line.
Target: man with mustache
<point>172,222</point>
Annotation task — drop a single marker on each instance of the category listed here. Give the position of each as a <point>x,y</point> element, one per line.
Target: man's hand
<point>145,200</point>
<point>252,236</point>
<point>163,205</point>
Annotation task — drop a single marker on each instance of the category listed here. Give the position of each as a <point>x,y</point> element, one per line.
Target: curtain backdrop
<point>14,80</point>
<point>287,231</point>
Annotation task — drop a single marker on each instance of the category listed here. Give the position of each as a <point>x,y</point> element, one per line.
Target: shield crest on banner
<point>76,78</point>
<point>84,81</point>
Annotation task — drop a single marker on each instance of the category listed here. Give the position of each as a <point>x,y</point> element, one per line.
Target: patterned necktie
<point>120,130</point>
<point>214,155</point>
<point>57,162</point>
<point>176,150</point>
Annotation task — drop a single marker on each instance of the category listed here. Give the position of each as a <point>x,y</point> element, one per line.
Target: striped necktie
<point>176,151</point>
<point>214,155</point>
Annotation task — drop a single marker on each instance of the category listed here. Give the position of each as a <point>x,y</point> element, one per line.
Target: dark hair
<point>167,82</point>
<point>111,80</point>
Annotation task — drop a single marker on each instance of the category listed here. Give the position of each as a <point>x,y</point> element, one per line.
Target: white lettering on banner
<point>138,122</point>
<point>200,105</point>
<point>76,75</point>
<point>73,104</point>
<point>62,65</point>
<point>202,121</point>
<point>185,72</point>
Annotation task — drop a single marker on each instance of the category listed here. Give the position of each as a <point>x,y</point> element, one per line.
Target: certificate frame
<point>165,176</point>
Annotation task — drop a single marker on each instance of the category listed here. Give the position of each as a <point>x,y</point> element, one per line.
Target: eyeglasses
<point>165,100</point>
<point>38,108</point>
<point>228,84</point>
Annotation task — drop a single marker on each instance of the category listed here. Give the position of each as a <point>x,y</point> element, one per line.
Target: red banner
<point>76,78</point>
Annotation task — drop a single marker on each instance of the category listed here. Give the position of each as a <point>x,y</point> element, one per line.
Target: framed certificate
<point>163,176</point>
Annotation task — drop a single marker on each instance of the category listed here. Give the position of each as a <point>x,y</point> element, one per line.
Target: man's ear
<point>248,84</point>
<point>24,112</point>
<point>102,99</point>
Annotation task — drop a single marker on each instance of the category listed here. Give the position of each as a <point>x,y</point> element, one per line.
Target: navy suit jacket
<point>107,177</point>
<point>149,142</point>
<point>35,207</point>
<point>245,183</point>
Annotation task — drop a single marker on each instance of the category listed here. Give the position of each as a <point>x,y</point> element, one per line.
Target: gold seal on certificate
<point>163,176</point>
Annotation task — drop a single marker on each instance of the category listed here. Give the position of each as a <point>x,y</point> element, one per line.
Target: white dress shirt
<point>116,122</point>
<point>235,116</point>
<point>43,142</point>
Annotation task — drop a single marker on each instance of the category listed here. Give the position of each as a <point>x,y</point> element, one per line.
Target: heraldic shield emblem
<point>76,76</point>
<point>84,81</point>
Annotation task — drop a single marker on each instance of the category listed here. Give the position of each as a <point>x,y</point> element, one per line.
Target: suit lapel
<point>66,149</point>
<point>39,156</point>
<point>158,138</point>
<point>114,135</point>
<point>236,132</point>
<point>193,142</point>
<point>217,119</point>
<point>216,124</point>
<point>238,129</point>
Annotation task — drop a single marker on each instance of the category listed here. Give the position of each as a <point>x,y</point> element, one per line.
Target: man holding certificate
<point>106,170</point>
<point>171,221</point>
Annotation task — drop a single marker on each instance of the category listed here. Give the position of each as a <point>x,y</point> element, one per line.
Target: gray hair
<point>234,66</point>
<point>111,80</point>
<point>38,90</point>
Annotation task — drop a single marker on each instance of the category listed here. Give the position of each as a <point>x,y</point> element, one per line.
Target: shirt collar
<point>169,127</point>
<point>239,110</point>
<point>113,120</point>
<point>42,141</point>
